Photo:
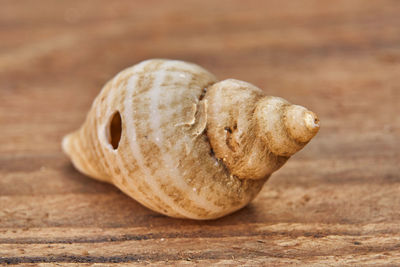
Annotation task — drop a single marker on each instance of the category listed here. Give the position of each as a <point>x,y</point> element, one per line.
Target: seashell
<point>172,137</point>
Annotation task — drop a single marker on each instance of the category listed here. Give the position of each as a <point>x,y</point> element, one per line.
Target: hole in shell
<point>228,129</point>
<point>230,140</point>
<point>115,130</point>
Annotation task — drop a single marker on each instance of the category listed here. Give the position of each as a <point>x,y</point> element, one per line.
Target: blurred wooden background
<point>336,202</point>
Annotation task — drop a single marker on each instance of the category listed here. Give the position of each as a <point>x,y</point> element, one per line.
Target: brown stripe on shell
<point>134,189</point>
<point>88,135</point>
<point>80,148</point>
<point>143,85</point>
<point>79,158</point>
<point>97,145</point>
<point>150,151</point>
<point>91,132</point>
<point>153,149</point>
<point>170,136</point>
<point>86,144</point>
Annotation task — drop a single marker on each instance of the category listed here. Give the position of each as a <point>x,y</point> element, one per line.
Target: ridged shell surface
<point>164,159</point>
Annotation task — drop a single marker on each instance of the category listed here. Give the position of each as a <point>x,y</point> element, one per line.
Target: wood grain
<point>335,203</point>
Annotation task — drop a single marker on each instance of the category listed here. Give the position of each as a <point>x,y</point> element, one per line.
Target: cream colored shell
<point>189,146</point>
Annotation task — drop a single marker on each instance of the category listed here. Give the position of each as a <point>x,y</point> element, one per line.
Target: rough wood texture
<point>336,202</point>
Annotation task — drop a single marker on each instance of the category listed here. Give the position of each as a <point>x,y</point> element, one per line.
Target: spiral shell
<point>172,137</point>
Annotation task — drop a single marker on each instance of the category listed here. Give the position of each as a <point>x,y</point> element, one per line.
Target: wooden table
<point>336,202</point>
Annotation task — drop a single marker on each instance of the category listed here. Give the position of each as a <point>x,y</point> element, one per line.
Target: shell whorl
<point>254,134</point>
<point>163,116</point>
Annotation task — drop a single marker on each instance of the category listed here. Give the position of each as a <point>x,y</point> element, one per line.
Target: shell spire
<point>172,137</point>
<point>290,127</point>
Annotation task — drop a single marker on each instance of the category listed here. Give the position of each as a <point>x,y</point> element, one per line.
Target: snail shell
<point>172,137</point>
